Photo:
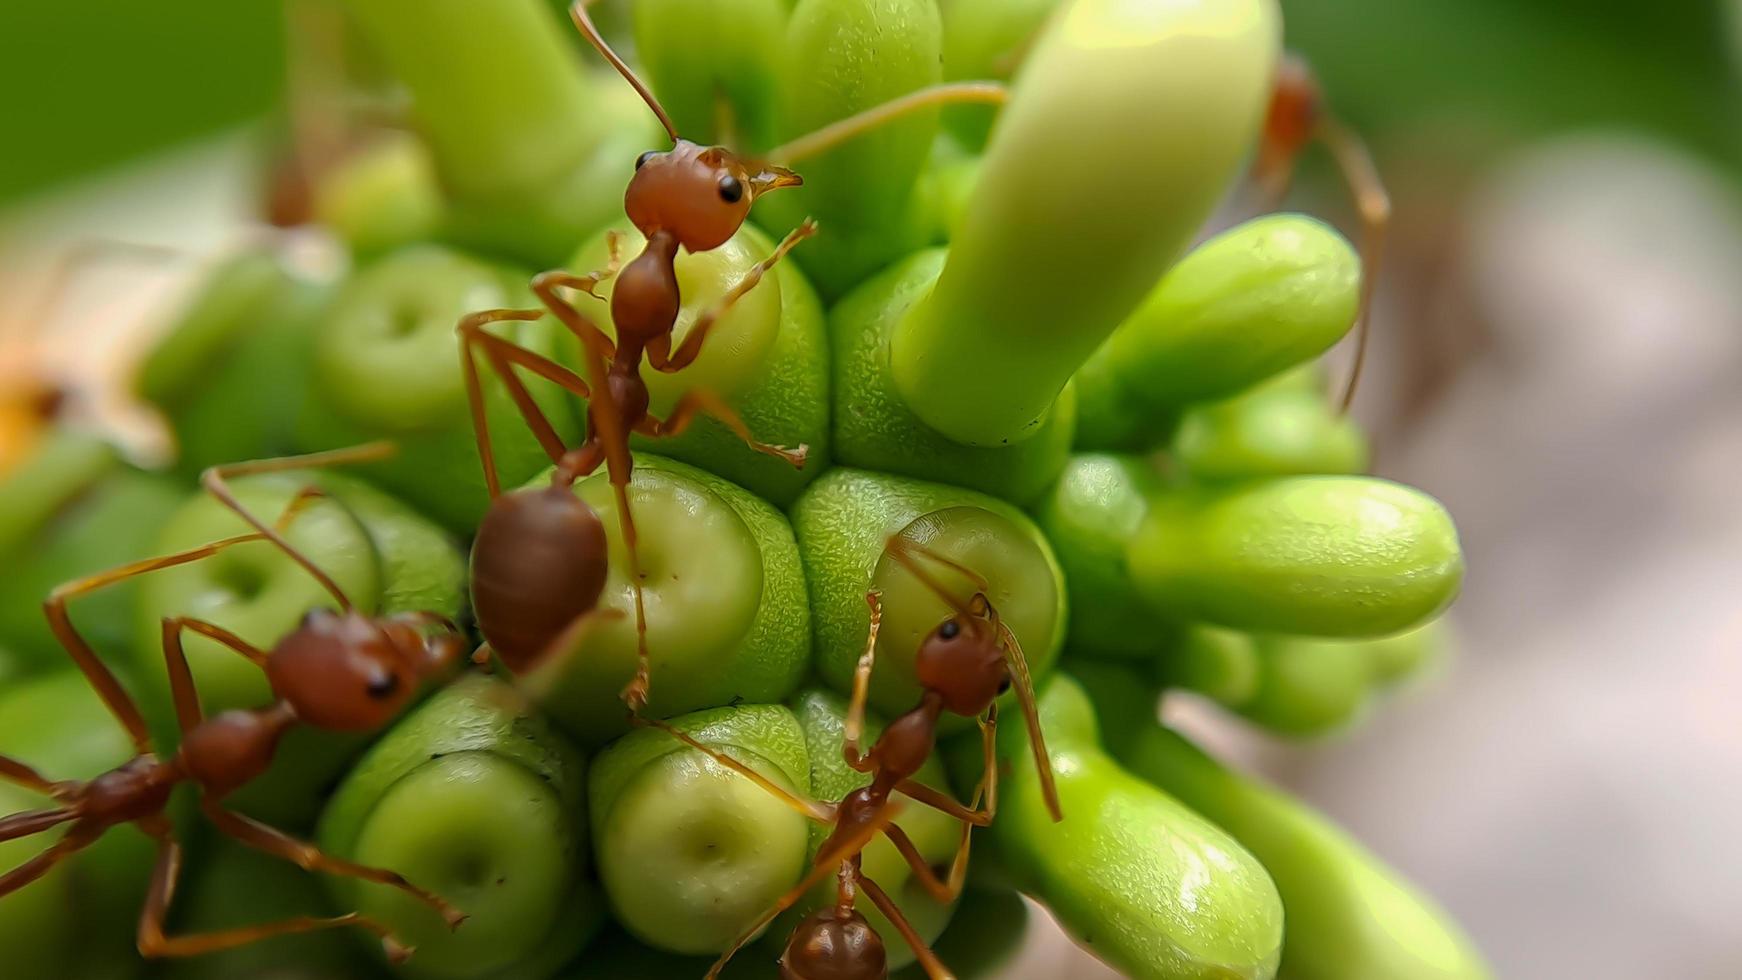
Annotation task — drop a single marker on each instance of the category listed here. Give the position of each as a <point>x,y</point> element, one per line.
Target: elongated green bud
<point>1349,916</point>
<point>386,558</point>
<point>1157,891</point>
<point>822,715</point>
<point>876,428</point>
<point>1123,131</point>
<point>1090,516</point>
<point>78,920</point>
<point>690,853</point>
<point>727,620</point>
<point>768,357</point>
<point>985,39</point>
<point>715,65</point>
<point>387,365</point>
<point>844,521</point>
<point>474,797</point>
<point>1317,555</point>
<point>1221,664</point>
<point>1253,301</point>
<point>1308,686</point>
<point>1281,427</point>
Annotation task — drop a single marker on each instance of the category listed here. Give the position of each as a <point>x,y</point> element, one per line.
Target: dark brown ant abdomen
<point>830,946</point>
<point>538,564</point>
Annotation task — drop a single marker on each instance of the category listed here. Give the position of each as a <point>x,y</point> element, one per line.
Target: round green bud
<point>690,852</point>
<point>1308,686</point>
<point>1278,428</point>
<point>844,521</point>
<point>384,196</point>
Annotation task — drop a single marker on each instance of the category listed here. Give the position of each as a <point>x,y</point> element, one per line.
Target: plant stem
<point>1121,135</point>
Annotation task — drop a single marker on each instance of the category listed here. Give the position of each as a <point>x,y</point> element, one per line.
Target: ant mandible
<point>962,666</point>
<point>1296,117</point>
<point>340,671</point>
<point>690,197</point>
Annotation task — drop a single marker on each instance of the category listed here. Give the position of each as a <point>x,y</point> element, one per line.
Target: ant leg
<point>820,812</point>
<point>181,679</point>
<point>1374,206</point>
<point>545,285</point>
<point>699,401</point>
<point>154,943</point>
<point>504,356</point>
<point>215,480</point>
<point>691,347</point>
<point>836,133</point>
<point>831,857</point>
<point>310,858</point>
<point>102,679</point>
<point>855,724</point>
<point>13,771</point>
<point>43,863</point>
<point>934,967</point>
<point>470,329</point>
<point>34,821</point>
<point>947,890</point>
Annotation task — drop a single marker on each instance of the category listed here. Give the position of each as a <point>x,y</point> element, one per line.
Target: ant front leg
<point>545,285</point>
<point>22,774</point>
<point>698,401</point>
<point>691,347</point>
<point>973,814</point>
<point>154,943</point>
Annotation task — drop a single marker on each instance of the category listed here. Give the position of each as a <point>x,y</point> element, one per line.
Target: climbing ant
<point>963,666</point>
<point>1296,117</point>
<point>340,671</point>
<point>690,197</point>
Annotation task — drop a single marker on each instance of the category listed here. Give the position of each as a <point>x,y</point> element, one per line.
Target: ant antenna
<point>578,14</point>
<point>1374,206</point>
<point>1018,665</point>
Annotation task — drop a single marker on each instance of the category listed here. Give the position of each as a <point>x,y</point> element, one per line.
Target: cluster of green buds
<point>1002,346</point>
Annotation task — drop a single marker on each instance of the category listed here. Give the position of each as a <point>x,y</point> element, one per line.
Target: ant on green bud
<point>341,671</point>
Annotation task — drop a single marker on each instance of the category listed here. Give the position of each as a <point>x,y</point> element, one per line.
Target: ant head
<point>347,672</point>
<point>1296,106</point>
<point>963,662</point>
<point>700,195</point>
<point>828,945</point>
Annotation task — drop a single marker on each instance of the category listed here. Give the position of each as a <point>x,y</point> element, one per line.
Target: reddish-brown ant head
<point>1296,107</point>
<point>962,661</point>
<point>698,194</point>
<point>830,946</point>
<point>347,672</point>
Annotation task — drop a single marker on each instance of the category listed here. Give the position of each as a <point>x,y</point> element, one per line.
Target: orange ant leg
<point>216,481</point>
<point>836,133</point>
<point>658,355</point>
<point>854,727</point>
<point>934,967</point>
<point>13,771</point>
<point>820,812</point>
<point>1374,206</point>
<point>827,862</point>
<point>43,863</point>
<point>34,822</point>
<point>471,331</point>
<point>504,356</point>
<point>698,401</point>
<point>154,943</point>
<point>275,842</point>
<point>945,890</point>
<point>102,680</point>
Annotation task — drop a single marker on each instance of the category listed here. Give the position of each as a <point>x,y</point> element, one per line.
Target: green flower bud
<point>384,196</point>
<point>474,797</point>
<point>843,522</point>
<point>727,620</point>
<point>1278,428</point>
<point>715,64</point>
<point>691,853</point>
<point>1316,555</point>
<point>1308,686</point>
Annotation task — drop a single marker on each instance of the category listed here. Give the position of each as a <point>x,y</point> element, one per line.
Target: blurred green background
<point>85,85</point>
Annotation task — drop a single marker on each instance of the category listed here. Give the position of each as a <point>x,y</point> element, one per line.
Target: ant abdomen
<point>538,564</point>
<point>830,946</point>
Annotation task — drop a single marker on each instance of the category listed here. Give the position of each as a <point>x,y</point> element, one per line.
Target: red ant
<point>340,671</point>
<point>1296,117</point>
<point>689,197</point>
<point>962,666</point>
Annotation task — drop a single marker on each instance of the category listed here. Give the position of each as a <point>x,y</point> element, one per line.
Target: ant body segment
<point>692,198</point>
<point>338,670</point>
<point>1297,116</point>
<point>962,666</point>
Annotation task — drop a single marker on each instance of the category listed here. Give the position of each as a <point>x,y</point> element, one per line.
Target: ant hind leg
<point>697,402</point>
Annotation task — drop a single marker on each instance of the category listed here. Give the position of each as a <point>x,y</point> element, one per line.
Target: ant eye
<point>731,189</point>
<point>382,686</point>
<point>641,161</point>
<point>950,630</point>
